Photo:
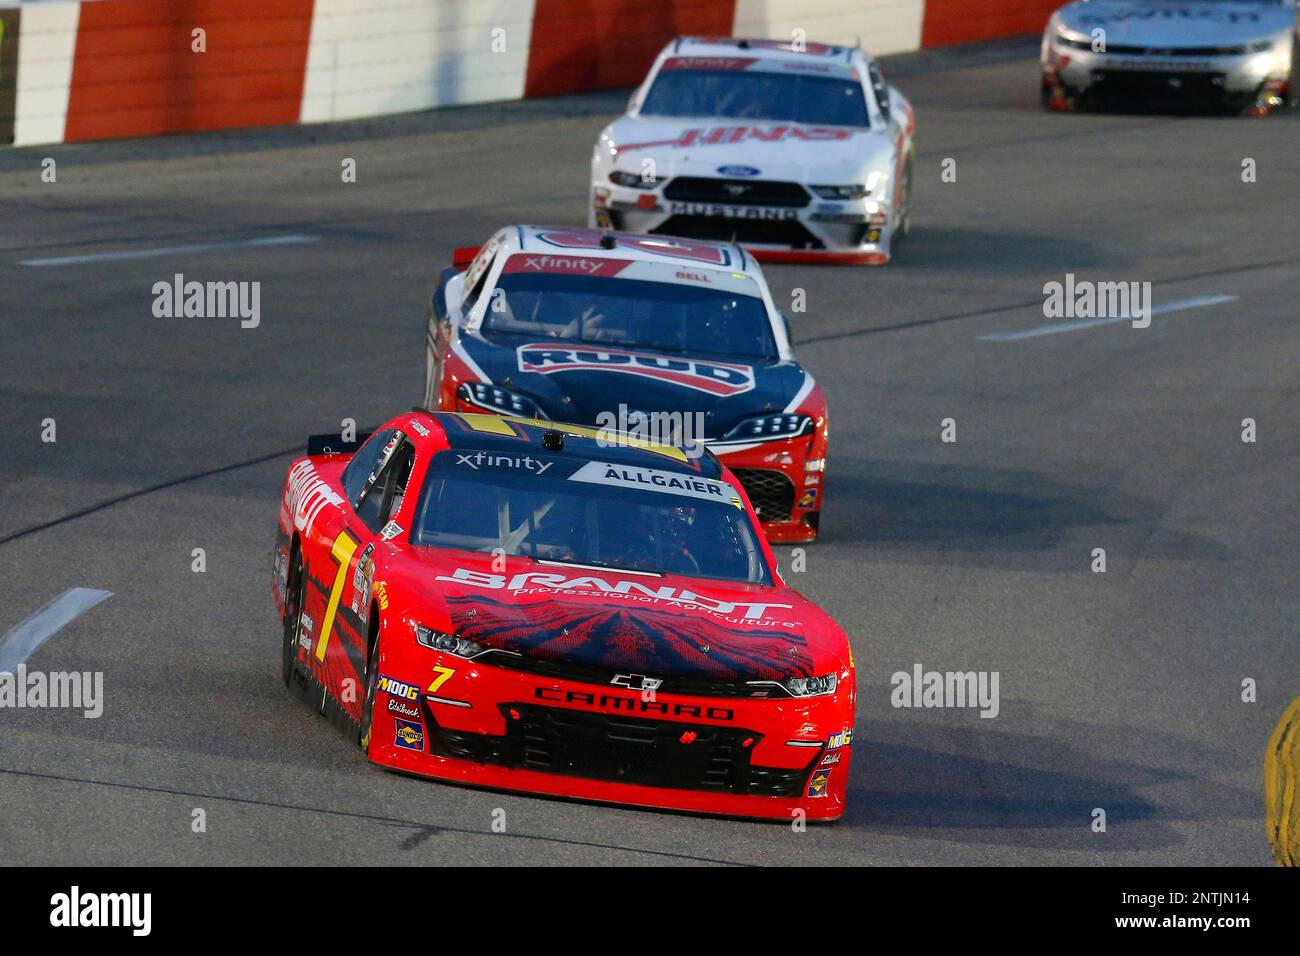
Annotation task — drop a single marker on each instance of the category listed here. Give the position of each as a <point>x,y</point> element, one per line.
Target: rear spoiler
<point>334,444</point>
<point>463,256</point>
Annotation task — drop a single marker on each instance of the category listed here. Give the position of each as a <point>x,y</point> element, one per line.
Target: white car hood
<point>750,149</point>
<point>1174,24</point>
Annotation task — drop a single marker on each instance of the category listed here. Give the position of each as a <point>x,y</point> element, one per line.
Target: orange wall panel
<point>604,44</point>
<point>966,21</point>
<point>135,74</point>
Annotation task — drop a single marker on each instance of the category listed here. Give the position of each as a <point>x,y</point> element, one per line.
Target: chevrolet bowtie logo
<point>636,681</point>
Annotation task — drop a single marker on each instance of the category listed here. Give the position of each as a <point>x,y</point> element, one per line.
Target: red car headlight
<point>811,686</point>
<point>447,643</point>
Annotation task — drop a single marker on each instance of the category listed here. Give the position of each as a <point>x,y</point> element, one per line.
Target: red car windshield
<point>590,513</point>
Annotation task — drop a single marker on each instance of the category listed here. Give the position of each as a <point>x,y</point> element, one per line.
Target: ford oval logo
<point>739,170</point>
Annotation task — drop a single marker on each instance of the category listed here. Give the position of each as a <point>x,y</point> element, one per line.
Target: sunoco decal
<point>715,378</point>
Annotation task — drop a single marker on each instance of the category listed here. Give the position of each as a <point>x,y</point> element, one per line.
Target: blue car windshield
<point>591,513</point>
<point>660,316</point>
<point>736,94</point>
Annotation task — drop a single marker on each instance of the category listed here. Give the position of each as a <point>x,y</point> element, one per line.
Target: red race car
<point>540,607</point>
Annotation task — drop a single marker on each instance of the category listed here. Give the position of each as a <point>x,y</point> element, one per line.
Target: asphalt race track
<point>1120,691</point>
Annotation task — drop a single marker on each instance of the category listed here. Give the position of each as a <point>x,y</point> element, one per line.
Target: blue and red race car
<point>543,607</point>
<point>676,339</point>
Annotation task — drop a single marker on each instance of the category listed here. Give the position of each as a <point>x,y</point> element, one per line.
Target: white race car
<point>1239,54</point>
<point>799,154</point>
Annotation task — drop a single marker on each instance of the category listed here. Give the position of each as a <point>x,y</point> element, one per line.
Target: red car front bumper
<point>778,758</point>
<point>783,480</point>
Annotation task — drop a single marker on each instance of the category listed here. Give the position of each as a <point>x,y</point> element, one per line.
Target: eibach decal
<point>723,379</point>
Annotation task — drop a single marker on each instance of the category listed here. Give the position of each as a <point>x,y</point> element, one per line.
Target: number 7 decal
<point>344,547</point>
<point>444,674</point>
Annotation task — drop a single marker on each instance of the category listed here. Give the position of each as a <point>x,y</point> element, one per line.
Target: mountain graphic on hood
<point>642,640</point>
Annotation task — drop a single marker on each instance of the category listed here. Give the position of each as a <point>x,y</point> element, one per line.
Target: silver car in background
<point>1233,54</point>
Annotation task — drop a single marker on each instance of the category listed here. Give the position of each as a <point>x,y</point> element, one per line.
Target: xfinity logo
<point>566,265</point>
<point>562,264</point>
<point>636,681</point>
<point>480,459</point>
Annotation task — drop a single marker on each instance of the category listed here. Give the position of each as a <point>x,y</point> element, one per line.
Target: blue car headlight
<point>767,427</point>
<point>503,401</point>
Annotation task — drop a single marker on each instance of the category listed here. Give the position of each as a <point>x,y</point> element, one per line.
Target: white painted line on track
<point>1197,303</point>
<point>292,240</point>
<point>20,643</point>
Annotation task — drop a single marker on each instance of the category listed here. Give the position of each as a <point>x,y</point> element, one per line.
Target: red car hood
<point>656,626</point>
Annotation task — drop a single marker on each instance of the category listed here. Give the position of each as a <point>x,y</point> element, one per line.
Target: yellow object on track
<point>1281,783</point>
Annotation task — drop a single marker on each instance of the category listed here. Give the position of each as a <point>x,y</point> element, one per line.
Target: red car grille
<point>770,492</point>
<point>615,748</point>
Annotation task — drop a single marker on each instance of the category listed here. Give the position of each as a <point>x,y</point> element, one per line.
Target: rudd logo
<point>716,378</point>
<point>76,909</point>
